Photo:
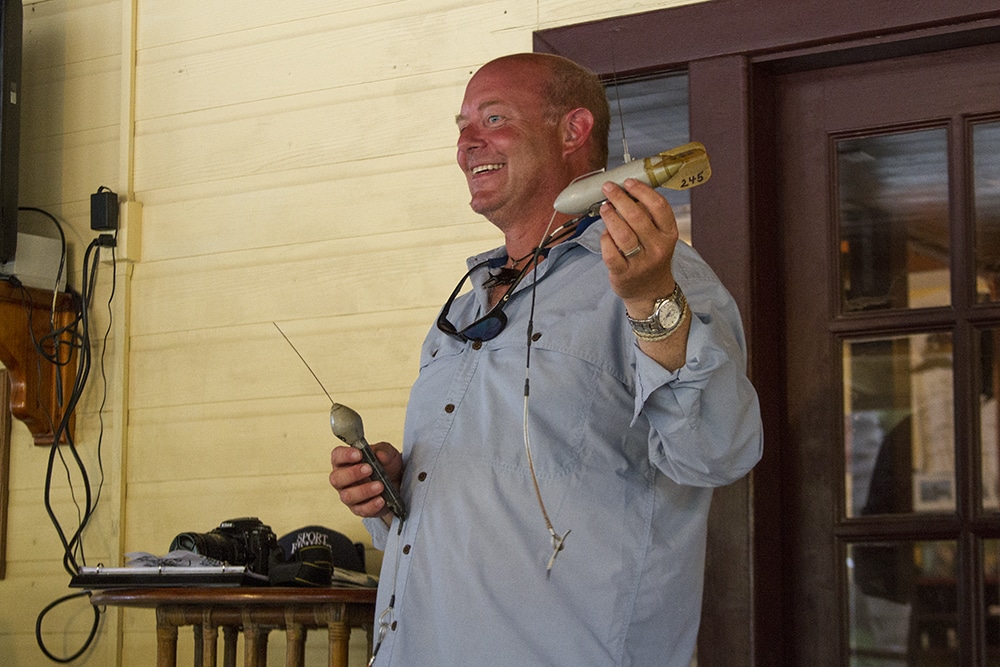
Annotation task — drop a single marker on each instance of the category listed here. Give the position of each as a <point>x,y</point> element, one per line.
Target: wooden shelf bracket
<point>36,384</point>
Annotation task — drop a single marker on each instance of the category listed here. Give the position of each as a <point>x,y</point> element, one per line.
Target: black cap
<point>346,555</point>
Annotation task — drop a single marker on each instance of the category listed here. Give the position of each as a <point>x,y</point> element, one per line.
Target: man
<point>566,527</point>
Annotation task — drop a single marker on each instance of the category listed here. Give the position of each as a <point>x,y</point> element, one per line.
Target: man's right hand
<point>351,477</point>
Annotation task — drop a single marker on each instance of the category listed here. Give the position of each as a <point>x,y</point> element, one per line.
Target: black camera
<point>245,541</point>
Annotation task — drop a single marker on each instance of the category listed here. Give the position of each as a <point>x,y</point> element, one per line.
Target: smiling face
<point>511,153</point>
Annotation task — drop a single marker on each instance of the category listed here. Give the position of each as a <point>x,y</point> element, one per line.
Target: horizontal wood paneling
<point>351,276</point>
<point>274,436</point>
<point>64,100</point>
<point>217,366</point>
<point>21,648</point>
<point>68,33</point>
<point>333,51</point>
<point>70,93</point>
<point>173,20</point>
<point>335,126</point>
<point>304,206</point>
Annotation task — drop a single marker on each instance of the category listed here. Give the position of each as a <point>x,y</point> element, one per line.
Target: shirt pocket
<point>439,346</point>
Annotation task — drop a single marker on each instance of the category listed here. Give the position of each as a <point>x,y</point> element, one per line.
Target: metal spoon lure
<point>348,426</point>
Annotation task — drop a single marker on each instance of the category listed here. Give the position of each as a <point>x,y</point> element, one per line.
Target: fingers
<point>637,217</point>
<point>391,460</point>
<point>641,230</point>
<point>351,477</point>
<point>639,243</point>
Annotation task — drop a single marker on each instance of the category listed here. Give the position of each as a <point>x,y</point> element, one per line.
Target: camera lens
<point>213,545</point>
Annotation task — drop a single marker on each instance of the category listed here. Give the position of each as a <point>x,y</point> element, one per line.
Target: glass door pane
<point>893,221</point>
<point>986,183</point>
<point>903,603</point>
<point>899,432</point>
<point>991,599</point>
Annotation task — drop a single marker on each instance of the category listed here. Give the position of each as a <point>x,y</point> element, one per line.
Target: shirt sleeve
<point>705,427</point>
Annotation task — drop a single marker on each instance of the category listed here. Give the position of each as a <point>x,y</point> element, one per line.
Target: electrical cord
<point>56,346</point>
<point>86,644</point>
<point>62,254</point>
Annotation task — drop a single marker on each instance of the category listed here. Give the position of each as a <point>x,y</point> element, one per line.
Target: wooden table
<point>255,611</point>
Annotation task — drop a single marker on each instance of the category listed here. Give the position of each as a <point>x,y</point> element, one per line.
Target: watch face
<point>669,314</point>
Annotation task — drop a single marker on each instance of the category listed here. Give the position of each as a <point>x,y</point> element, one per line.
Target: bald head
<point>568,86</point>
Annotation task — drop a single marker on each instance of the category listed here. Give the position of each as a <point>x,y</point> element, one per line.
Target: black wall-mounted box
<point>104,211</point>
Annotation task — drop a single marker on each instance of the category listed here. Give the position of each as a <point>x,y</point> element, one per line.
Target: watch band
<point>651,328</point>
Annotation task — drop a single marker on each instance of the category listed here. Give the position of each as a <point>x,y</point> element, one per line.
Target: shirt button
<point>406,549</point>
<point>449,408</point>
<point>536,336</point>
<point>422,476</point>
<point>477,345</point>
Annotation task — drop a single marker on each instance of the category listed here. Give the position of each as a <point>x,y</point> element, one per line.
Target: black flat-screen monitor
<point>11,14</point>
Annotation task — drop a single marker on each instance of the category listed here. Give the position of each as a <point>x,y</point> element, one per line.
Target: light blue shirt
<point>626,454</point>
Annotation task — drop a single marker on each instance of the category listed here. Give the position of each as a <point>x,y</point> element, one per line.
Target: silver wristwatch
<point>668,314</point>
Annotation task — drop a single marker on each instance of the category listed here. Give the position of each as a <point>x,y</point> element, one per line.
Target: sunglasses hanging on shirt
<point>493,322</point>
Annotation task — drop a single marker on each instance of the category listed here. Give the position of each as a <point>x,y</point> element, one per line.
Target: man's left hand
<point>638,248</point>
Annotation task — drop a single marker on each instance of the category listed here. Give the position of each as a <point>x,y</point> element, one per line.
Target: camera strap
<point>311,565</point>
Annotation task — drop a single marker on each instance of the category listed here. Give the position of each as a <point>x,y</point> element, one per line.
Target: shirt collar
<point>586,235</point>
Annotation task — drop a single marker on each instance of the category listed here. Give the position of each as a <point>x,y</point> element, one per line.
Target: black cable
<point>48,347</point>
<point>52,314</point>
<point>79,333</point>
<point>62,429</point>
<point>104,377</point>
<point>86,644</point>
<point>62,235</point>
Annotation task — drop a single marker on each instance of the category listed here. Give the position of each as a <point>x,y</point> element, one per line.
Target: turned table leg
<point>340,636</point>
<point>295,644</point>
<point>230,634</point>
<point>166,642</point>
<point>209,641</point>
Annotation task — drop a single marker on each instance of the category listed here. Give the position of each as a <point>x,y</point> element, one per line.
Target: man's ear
<point>577,125</point>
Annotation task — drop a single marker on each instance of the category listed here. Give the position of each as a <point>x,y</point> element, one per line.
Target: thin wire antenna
<point>308,367</point>
<point>618,98</point>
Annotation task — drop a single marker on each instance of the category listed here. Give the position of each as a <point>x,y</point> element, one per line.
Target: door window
<point>895,220</point>
<point>899,440</point>
<point>986,184</point>
<point>893,210</point>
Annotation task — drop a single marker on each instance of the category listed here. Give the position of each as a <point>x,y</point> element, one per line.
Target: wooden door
<point>888,191</point>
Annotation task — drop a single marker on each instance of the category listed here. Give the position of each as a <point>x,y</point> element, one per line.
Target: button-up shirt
<point>625,454</point>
